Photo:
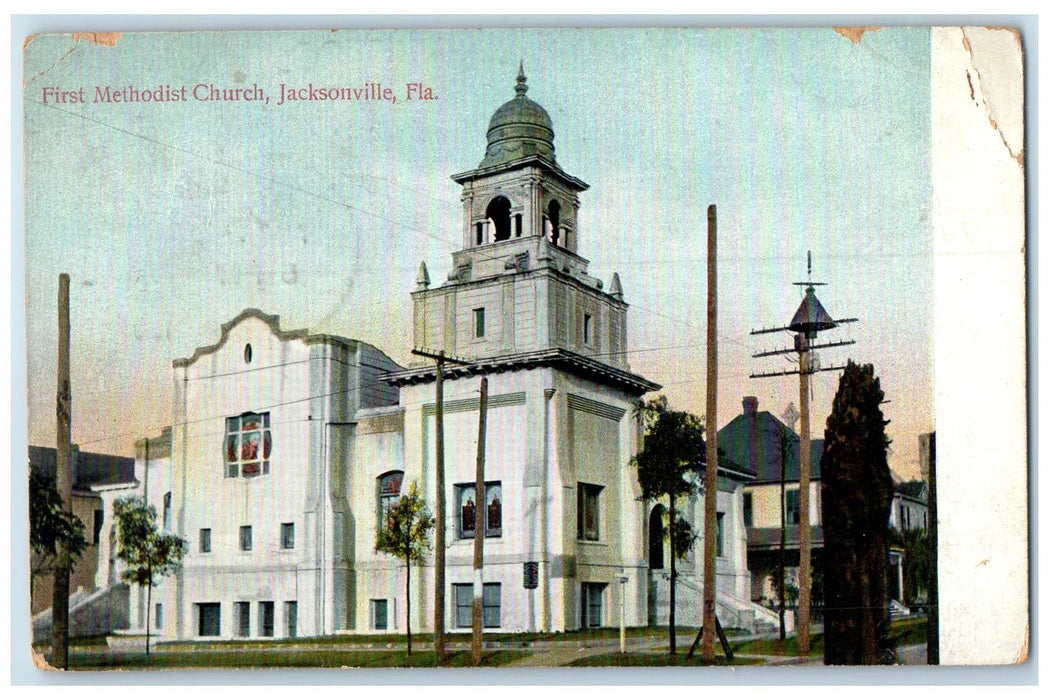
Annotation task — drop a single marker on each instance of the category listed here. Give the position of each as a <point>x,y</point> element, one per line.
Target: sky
<point>172,217</point>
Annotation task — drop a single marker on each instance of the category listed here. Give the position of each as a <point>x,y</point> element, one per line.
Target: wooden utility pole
<point>64,483</point>
<point>439,517</point>
<point>711,500</point>
<point>809,320</point>
<point>480,521</point>
<point>804,474</point>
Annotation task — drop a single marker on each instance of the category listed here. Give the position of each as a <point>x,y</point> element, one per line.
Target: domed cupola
<point>518,129</point>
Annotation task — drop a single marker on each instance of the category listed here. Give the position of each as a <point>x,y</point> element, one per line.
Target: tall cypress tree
<point>856,501</point>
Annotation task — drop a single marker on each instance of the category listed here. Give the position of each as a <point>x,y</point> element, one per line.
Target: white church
<point>286,447</point>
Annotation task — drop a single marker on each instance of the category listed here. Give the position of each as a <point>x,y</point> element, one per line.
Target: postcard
<point>527,347</point>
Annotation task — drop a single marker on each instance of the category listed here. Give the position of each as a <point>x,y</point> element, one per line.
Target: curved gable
<point>272,321</point>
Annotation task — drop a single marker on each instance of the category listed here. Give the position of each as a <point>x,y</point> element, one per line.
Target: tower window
<point>167,512</point>
<point>499,213</point>
<point>245,538</point>
<point>588,329</point>
<point>479,323</point>
<point>479,232</point>
<point>554,213</point>
<point>517,225</point>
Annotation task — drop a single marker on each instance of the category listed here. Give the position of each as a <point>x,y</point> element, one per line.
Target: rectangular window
<point>479,323</point>
<point>479,233</point>
<point>167,512</point>
<point>492,512</point>
<point>721,535</point>
<point>205,540</point>
<point>158,616</point>
<point>243,612</point>
<point>491,605</point>
<point>793,507</point>
<point>491,600</point>
<point>245,538</point>
<point>748,509</point>
<point>588,516</point>
<point>209,619</point>
<point>99,515</point>
<point>266,618</point>
<point>378,613</point>
<point>287,535</point>
<point>291,619</point>
<point>248,445</point>
<point>591,608</point>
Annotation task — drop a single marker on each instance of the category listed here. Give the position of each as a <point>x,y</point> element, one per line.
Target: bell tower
<point>519,190</point>
<point>518,284</point>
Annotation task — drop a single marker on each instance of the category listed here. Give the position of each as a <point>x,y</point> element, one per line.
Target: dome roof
<point>518,129</point>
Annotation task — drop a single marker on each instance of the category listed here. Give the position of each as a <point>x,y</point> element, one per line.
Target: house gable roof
<point>89,468</point>
<point>754,439</point>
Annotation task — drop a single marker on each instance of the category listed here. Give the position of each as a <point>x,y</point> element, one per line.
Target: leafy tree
<point>670,465</point>
<point>406,535</point>
<point>50,524</point>
<point>856,499</point>
<point>917,563</point>
<point>148,553</point>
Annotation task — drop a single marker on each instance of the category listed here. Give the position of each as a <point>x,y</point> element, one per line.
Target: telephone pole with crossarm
<point>810,319</point>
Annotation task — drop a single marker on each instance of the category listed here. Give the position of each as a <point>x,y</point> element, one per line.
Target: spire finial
<point>522,82</point>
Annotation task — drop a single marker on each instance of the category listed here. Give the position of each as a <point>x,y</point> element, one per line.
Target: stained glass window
<point>466,498</point>
<point>248,445</point>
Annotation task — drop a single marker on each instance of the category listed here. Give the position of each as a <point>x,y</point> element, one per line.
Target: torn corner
<point>1025,650</point>
<point>855,34</point>
<point>40,662</point>
<point>98,38</point>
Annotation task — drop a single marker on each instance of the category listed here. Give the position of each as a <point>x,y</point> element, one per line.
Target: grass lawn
<point>659,659</point>
<point>280,658</point>
<point>907,632</point>
<point>779,647</point>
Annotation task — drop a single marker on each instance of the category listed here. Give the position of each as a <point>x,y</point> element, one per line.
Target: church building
<point>286,448</point>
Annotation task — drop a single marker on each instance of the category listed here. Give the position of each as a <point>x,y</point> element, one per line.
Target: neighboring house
<point>910,506</point>
<point>762,441</point>
<point>91,471</point>
<point>767,447</point>
<point>286,448</point>
<point>909,512</point>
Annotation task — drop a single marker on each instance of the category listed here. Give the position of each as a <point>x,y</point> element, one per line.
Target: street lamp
<point>622,611</point>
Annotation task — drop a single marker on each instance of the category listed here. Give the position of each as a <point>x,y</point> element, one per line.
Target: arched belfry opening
<point>656,535</point>
<point>498,213</point>
<point>553,217</point>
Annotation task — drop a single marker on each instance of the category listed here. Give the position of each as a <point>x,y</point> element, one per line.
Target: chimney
<point>750,405</point>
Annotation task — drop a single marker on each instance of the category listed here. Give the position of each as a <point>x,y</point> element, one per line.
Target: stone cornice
<point>557,358</point>
<point>536,160</point>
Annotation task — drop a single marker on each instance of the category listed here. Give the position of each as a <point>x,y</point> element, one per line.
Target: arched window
<point>655,538</point>
<point>499,213</point>
<point>167,512</point>
<point>389,494</point>
<point>554,214</point>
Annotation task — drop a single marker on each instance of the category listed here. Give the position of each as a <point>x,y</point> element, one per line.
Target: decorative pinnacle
<point>522,82</point>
